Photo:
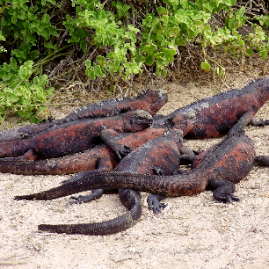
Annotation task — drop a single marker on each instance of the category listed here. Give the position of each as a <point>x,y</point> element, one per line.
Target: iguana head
<point>263,88</point>
<point>137,120</point>
<point>177,136</point>
<point>156,99</point>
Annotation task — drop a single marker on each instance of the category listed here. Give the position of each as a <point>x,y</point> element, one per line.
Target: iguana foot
<point>158,171</point>
<point>226,198</point>
<point>223,190</point>
<point>96,194</point>
<point>121,151</point>
<point>154,203</point>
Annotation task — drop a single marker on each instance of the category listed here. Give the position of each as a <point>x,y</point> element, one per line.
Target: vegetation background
<point>50,49</point>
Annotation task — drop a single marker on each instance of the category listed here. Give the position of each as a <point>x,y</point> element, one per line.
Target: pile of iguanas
<point>123,145</point>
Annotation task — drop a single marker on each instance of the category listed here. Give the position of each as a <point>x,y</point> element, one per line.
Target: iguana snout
<point>137,120</point>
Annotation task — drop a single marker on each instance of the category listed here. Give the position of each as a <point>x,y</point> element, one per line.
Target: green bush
<point>18,94</point>
<point>116,40</point>
<point>22,89</point>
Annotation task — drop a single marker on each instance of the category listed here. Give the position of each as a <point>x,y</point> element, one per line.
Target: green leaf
<point>25,70</point>
<point>2,97</point>
<point>46,33</point>
<point>101,60</point>
<point>88,64</point>
<point>149,49</point>
<point>46,18</point>
<point>180,41</point>
<point>24,114</point>
<point>13,98</point>
<point>119,5</point>
<point>164,72</point>
<point>14,19</point>
<point>160,38</point>
<point>173,32</point>
<point>135,68</point>
<point>6,67</point>
<point>232,23</point>
<point>33,119</point>
<point>149,60</point>
<point>50,91</point>
<point>222,72</point>
<point>161,10</point>
<point>264,54</point>
<point>125,8</point>
<point>83,45</point>
<point>98,71</point>
<point>133,29</point>
<point>40,96</point>
<point>209,6</point>
<point>249,51</point>
<point>165,19</point>
<point>90,73</point>
<point>205,66</point>
<point>19,91</point>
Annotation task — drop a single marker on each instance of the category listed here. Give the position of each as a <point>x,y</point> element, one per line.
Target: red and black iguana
<point>214,116</point>
<point>79,162</point>
<point>148,100</point>
<point>77,136</point>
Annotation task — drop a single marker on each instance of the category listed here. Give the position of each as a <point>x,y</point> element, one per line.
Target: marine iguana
<point>148,100</point>
<point>77,136</point>
<point>162,153</point>
<point>79,162</point>
<point>214,116</point>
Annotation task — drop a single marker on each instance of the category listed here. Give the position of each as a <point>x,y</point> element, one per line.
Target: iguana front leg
<point>243,121</point>
<point>108,136</point>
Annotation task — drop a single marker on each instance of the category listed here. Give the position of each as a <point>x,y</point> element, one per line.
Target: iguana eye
<point>124,110</point>
<point>169,123</point>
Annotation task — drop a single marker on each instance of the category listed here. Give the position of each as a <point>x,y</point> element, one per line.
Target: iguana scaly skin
<point>214,116</point>
<point>79,162</point>
<point>225,164</point>
<point>148,100</point>
<point>162,153</point>
<point>75,136</point>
